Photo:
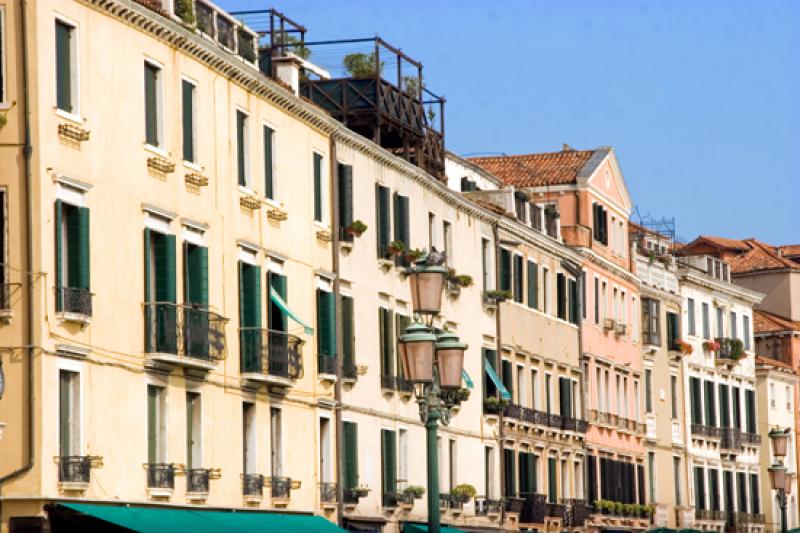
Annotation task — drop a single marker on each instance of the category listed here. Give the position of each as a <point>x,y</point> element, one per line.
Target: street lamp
<point>433,363</point>
<point>779,479</point>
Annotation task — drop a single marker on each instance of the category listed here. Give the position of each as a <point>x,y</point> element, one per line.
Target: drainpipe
<point>497,359</point>
<point>577,272</point>
<point>27,153</point>
<point>337,388</point>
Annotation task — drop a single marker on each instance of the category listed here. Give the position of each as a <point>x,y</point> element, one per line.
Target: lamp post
<point>779,479</point>
<point>434,365</point>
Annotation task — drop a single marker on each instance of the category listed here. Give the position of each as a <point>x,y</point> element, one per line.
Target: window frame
<point>193,162</point>
<point>3,52</point>
<point>159,111</point>
<point>270,194</point>
<point>244,176</point>
<point>324,190</point>
<point>74,82</point>
<point>78,436</point>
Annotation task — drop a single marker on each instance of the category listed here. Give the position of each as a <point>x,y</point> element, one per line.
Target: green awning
<point>277,300</point>
<point>423,528</point>
<point>467,379</point>
<point>689,530</point>
<point>155,519</point>
<point>661,530</point>
<point>496,380</point>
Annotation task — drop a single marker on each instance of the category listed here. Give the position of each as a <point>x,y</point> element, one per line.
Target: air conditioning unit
<point>620,328</point>
<point>608,323</point>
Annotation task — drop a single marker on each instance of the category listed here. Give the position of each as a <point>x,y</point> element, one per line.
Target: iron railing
<point>280,487</point>
<point>184,329</point>
<point>730,439</point>
<point>327,492</point>
<point>748,518</point>
<point>751,439</point>
<point>6,289</point>
<point>253,484</point>
<point>485,506</point>
<point>534,508</point>
<point>513,504</point>
<point>708,514</point>
<point>270,352</point>
<point>352,495</point>
<point>388,382</point>
<point>556,510</point>
<point>326,364</point>
<point>74,468</point>
<point>161,476</point>
<point>349,370</point>
<point>576,513</point>
<point>706,431</point>
<point>392,499</point>
<point>533,416</point>
<point>404,386</point>
<point>197,480</point>
<point>72,300</point>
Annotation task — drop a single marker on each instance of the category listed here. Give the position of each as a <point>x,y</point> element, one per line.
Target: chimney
<point>567,148</point>
<point>287,70</point>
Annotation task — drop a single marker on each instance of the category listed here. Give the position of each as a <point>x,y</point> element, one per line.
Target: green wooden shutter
<point>389,455</point>
<point>275,318</point>
<point>70,215</point>
<point>348,333</point>
<point>59,252</point>
<point>510,487</point>
<point>83,248</point>
<point>240,152</point>
<point>350,474</point>
<point>552,493</point>
<point>326,323</point>
<point>269,134</point>
<point>196,274</point>
<point>345,195</point>
<point>533,285</point>
<point>187,114</point>
<point>63,66</point>
<point>522,465</point>
<point>148,309</point>
<point>64,414</point>
<point>508,376</point>
<point>573,301</point>
<point>505,270</point>
<point>694,391</point>
<point>382,219</point>
<point>152,424</point>
<point>518,278</point>
<point>386,341</point>
<point>565,396</point>
<point>317,187</point>
<point>150,104</point>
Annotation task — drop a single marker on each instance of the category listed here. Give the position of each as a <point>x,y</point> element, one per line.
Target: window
<point>533,285</point>
<point>572,293</point>
<point>276,441</point>
<point>69,413</point>
<point>737,408</point>
<point>195,294</point>
<point>741,483</point>
<point>746,332</point>
<point>673,391</point>
<point>547,393</point>
<point>699,488</point>
<point>348,338</point>
<point>583,294</point>
<point>676,474</point>
<point>601,406</point>
<point>453,463</point>
<point>326,330</point>
<point>755,500</point>
<point>546,290</point>
<point>522,398</point>
<point>431,231</point>
<point>552,492</point>
<point>250,318</point>
<point>488,471</point>
<point>772,395</point>
<point>345,177</point>
<point>604,299</point>
<point>243,149</point>
<point>160,293</point>
<point>624,399</point>
<point>706,324</point>
<point>66,66</point>
<point>250,438</point>
<point>386,345</point>
<point>551,220</point>
<point>733,333</point>
<point>720,322</point>
<point>194,456</point>
<point>489,360</point>
<point>4,290</point>
<point>486,262</point>
<point>565,397</point>
<point>711,405</point>
<point>651,323</point>
<point>72,259</point>
<point>648,390</point>
<point>320,190</point>
<point>156,425</point>
<point>269,170</point>
<point>447,236</point>
<point>690,312</point>
<point>2,55</point>
<point>325,451</point>
<point>507,376</point>
<point>401,322</point>
<point>518,280</point>
<point>350,465</point>
<point>382,221</point>
<point>188,106</point>
<point>651,474</point>
<point>153,119</point>
<point>713,489</point>
<point>536,217</point>
<point>509,481</point>
<point>673,331</point>
<point>596,300</point>
<point>535,401</point>
<point>388,466</point>
<point>696,400</point>
<point>561,296</point>
<point>402,455</point>
<point>750,410</point>
<point>600,224</point>
<point>401,226</point>
<point>505,270</point>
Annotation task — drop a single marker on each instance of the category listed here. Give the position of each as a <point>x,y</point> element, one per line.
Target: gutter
<point>27,154</point>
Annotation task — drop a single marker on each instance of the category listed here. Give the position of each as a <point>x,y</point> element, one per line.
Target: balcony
<point>701,430</point>
<point>161,477</point>
<point>577,511</point>
<point>280,489</point>
<point>189,336</point>
<point>326,365</point>
<point>487,507</point>
<point>534,508</point>
<point>730,439</point>
<point>253,486</point>
<point>74,470</point>
<point>73,304</point>
<point>271,357</point>
<point>709,515</point>
<point>327,493</point>
<point>533,416</point>
<point>747,518</point>
<point>198,481</point>
<point>7,293</point>
<point>513,504</point>
<point>730,351</point>
<point>751,439</point>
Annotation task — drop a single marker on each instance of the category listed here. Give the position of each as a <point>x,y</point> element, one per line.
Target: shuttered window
<point>561,296</point>
<point>600,223</point>
<point>156,428</point>
<point>697,408</point>
<point>706,320</point>
<point>690,316</point>
<point>160,292</point>
<point>746,332</point>
<point>490,357</point>
<point>2,55</point>
<point>505,270</point>
<point>648,390</point>
<point>241,149</point>
<point>69,413</point>
<point>591,479</point>
<point>195,266</point>
<point>72,256</point>
<point>755,499</point>
<point>386,341</point>
<point>565,396</point>
<point>724,406</point>
<point>673,331</point>
<point>382,220</point>
<point>350,465</point>
<point>65,57</point>
<point>348,337</point>
<point>741,485</point>
<point>508,376</point>
<point>345,177</point>
<point>710,403</point>
<point>388,461</point>
<point>187,122</point>
<point>318,188</point>
<point>713,489</point>
<point>152,104</point>
<point>651,323</point>
<point>269,162</point>
<point>750,410</point>
<point>737,408</point>
<point>276,319</point>
<point>250,339</point>
<point>401,226</point>
<point>574,307</point>
<point>533,285</point>
<point>733,332</point>
<point>518,279</point>
<point>326,323</point>
<point>552,487</point>
<point>699,488</point>
<point>509,470</point>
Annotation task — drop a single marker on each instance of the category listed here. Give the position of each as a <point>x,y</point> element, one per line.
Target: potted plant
<point>414,492</point>
<point>736,349</point>
<point>463,493</point>
<point>685,347</point>
<point>412,256</point>
<point>495,296</point>
<point>462,394</point>
<point>711,346</point>
<point>629,509</point>
<point>359,65</point>
<point>396,247</point>
<point>522,196</point>
<point>550,211</point>
<point>600,506</point>
<point>359,492</point>
<point>649,510</point>
<point>355,228</point>
<point>619,508</point>
<point>184,9</point>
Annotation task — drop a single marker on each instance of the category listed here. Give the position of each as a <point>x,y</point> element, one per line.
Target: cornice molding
<point>731,289</point>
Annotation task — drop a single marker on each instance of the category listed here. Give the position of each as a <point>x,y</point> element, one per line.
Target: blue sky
<point>701,100</point>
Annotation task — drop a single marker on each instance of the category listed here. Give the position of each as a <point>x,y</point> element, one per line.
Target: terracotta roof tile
<point>790,250</point>
<point>764,322</point>
<point>534,170</point>
<point>759,256</point>
<point>722,242</point>
<point>488,205</point>
<point>761,360</point>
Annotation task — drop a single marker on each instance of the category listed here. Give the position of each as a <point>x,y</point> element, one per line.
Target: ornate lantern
<point>416,353</point>
<point>450,360</point>
<point>777,476</point>
<point>426,283</point>
<point>780,441</point>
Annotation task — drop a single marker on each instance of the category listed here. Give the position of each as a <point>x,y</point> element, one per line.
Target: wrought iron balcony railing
<point>534,508</point>
<point>327,492</point>
<point>730,439</point>
<point>6,290</point>
<point>352,495</point>
<point>710,515</point>
<point>74,469</point>
<point>270,352</point>
<point>253,484</point>
<point>388,382</point>
<point>349,370</point>
<point>748,518</point>
<point>576,513</point>
<point>706,431</point>
<point>184,329</point>
<point>513,504</point>
<point>326,364</point>
<point>197,480</point>
<point>280,487</point>
<point>486,506</point>
<point>556,510</point>
<point>161,476</point>
<point>72,300</point>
